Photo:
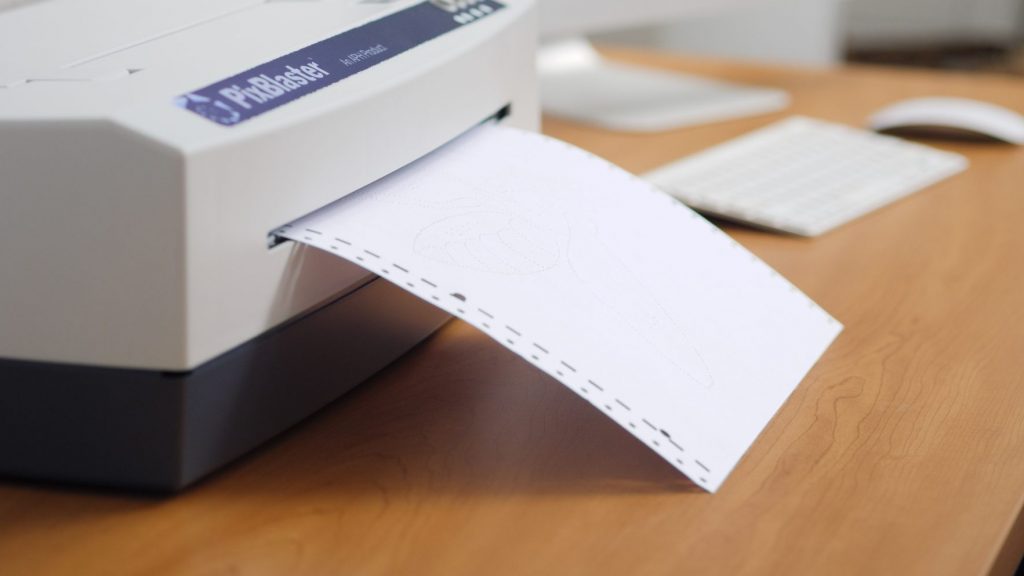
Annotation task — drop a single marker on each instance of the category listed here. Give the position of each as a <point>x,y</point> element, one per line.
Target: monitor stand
<point>578,84</point>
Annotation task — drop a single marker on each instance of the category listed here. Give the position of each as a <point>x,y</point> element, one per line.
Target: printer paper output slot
<point>274,238</point>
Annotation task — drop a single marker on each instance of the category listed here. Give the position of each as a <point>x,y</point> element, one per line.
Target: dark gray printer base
<point>161,431</point>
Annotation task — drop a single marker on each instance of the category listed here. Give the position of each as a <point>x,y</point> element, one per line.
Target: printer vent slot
<point>72,76</point>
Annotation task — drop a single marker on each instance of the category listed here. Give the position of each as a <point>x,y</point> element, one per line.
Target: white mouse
<point>950,115</point>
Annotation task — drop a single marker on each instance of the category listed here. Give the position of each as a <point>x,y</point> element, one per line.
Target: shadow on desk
<point>459,417</point>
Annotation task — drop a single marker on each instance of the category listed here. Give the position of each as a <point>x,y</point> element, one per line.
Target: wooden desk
<point>901,453</point>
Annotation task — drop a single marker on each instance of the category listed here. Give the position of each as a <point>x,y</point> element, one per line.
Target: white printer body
<point>148,149</point>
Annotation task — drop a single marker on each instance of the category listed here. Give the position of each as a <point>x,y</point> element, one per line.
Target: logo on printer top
<point>274,83</point>
<point>214,109</point>
<point>260,89</point>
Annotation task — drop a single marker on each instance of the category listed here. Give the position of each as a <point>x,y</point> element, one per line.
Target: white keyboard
<point>804,176</point>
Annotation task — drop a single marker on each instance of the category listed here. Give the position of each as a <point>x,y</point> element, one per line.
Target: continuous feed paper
<point>630,299</point>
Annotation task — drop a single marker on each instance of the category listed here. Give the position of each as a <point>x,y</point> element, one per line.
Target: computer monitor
<point>578,84</point>
<point>566,18</point>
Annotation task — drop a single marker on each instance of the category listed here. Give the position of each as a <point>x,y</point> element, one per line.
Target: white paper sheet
<point>621,293</point>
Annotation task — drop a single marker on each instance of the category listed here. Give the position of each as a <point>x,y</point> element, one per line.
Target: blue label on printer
<point>292,76</point>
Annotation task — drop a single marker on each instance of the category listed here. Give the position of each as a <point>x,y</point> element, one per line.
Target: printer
<point>151,327</point>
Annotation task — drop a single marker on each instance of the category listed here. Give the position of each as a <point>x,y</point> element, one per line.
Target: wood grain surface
<point>901,453</point>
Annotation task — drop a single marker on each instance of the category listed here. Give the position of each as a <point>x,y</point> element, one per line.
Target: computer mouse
<point>951,116</point>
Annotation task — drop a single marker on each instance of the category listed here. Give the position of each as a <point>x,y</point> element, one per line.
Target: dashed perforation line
<point>562,363</point>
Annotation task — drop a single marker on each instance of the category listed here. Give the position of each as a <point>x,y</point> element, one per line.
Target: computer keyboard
<point>804,176</point>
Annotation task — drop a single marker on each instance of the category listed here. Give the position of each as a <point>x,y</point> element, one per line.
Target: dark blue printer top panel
<point>279,81</point>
